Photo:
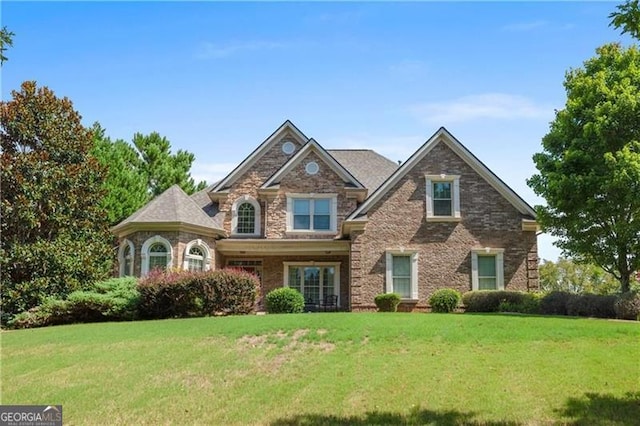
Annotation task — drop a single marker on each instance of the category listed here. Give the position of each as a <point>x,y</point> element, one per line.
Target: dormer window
<point>245,216</point>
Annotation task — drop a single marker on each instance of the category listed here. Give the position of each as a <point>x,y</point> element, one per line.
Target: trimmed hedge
<point>591,305</point>
<point>444,300</point>
<point>499,301</point>
<point>284,300</point>
<point>178,294</point>
<point>554,303</point>
<point>387,302</point>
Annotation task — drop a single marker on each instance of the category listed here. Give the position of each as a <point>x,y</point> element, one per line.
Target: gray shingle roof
<point>211,209</point>
<point>172,206</point>
<point>366,165</point>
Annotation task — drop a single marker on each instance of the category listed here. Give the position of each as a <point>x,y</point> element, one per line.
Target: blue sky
<point>217,78</point>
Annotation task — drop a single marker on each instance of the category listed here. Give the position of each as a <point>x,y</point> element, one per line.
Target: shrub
<point>285,300</point>
<point>444,300</point>
<point>387,302</point>
<point>174,294</point>
<point>528,303</point>
<point>591,305</point>
<point>627,306</point>
<point>112,300</point>
<point>554,303</point>
<point>490,300</point>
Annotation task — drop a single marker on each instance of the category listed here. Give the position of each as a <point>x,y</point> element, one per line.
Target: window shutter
<point>429,198</point>
<point>456,197</point>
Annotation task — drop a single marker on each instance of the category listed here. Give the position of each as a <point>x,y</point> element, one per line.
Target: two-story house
<point>350,223</point>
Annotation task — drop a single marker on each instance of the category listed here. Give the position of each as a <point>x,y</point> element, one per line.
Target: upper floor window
<point>197,256</point>
<point>156,253</point>
<point>125,258</point>
<point>443,197</point>
<point>245,218</point>
<point>487,269</point>
<point>311,212</point>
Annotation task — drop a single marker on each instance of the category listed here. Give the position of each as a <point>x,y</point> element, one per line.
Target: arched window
<point>245,218</point>
<point>197,256</point>
<point>126,255</point>
<point>156,253</point>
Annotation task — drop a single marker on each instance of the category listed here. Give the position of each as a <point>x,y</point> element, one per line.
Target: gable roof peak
<point>284,128</point>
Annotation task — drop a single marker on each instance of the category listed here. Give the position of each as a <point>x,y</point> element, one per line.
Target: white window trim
<point>414,270</point>
<point>333,220</point>
<point>234,216</point>
<point>132,253</point>
<point>207,254</point>
<point>336,275</point>
<point>499,254</point>
<point>144,253</point>
<point>455,194</point>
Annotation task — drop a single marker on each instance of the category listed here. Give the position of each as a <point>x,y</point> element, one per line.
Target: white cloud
<point>209,50</point>
<point>525,26</point>
<point>210,172</point>
<point>484,106</point>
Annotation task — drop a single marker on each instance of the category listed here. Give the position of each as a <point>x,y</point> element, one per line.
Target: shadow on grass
<point>415,417</point>
<point>602,409</point>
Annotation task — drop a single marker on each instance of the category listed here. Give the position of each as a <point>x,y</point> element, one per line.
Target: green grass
<point>339,368</point>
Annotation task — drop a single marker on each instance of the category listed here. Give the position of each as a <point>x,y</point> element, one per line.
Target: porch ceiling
<point>257,247</point>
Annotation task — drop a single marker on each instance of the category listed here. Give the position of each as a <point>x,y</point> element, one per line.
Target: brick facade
<point>398,222</point>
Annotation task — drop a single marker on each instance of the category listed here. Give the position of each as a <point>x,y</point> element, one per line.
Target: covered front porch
<point>319,269</point>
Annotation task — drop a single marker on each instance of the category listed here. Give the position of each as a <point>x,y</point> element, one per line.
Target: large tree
<point>162,168</point>
<point>125,186</point>
<point>54,233</point>
<point>136,173</point>
<point>589,171</point>
<point>627,18</point>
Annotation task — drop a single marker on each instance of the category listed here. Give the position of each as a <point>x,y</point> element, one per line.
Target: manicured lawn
<point>339,368</point>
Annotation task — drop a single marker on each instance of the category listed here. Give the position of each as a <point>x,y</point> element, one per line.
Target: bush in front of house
<point>180,294</point>
<point>591,305</point>
<point>111,300</point>
<point>491,300</point>
<point>522,303</point>
<point>627,306</point>
<point>387,302</point>
<point>444,300</point>
<point>284,300</point>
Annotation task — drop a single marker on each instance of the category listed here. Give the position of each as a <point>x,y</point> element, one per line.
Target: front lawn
<point>337,368</point>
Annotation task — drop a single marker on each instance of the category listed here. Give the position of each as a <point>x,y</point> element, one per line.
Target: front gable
<point>444,158</point>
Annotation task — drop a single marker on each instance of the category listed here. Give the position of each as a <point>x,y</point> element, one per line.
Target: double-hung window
<point>315,212</point>
<point>442,197</point>
<point>487,269</point>
<point>402,273</point>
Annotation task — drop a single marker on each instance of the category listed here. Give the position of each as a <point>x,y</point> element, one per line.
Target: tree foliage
<point>54,233</point>
<point>136,173</point>
<point>6,40</point>
<point>162,168</point>
<point>125,185</point>
<point>627,18</point>
<point>567,275</point>
<point>589,171</point>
